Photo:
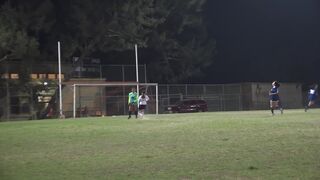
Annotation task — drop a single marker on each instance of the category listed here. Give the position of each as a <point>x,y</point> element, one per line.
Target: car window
<point>190,102</point>
<point>193,102</point>
<point>182,103</point>
<point>179,102</point>
<point>186,102</point>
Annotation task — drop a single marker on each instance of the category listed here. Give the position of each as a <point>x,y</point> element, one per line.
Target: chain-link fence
<point>49,70</point>
<point>218,97</point>
<point>113,100</point>
<point>27,103</point>
<point>99,101</point>
<point>15,104</point>
<point>124,73</point>
<point>103,100</point>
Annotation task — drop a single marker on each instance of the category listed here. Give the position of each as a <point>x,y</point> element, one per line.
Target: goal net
<point>110,99</point>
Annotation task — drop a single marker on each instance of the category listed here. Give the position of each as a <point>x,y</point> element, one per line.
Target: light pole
<point>60,82</point>
<point>137,67</point>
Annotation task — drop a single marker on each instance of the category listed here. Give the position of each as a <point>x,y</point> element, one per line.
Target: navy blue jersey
<point>274,94</point>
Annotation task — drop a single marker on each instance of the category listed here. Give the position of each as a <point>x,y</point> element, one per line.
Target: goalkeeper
<point>133,102</point>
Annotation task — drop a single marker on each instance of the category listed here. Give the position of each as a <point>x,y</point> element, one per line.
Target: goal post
<point>118,92</point>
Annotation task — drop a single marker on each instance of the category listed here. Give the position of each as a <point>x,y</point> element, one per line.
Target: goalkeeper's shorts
<point>133,107</point>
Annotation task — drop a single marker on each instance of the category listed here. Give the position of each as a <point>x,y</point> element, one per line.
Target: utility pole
<point>60,82</point>
<point>137,67</point>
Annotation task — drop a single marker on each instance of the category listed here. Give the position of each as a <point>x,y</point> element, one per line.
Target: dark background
<point>256,40</point>
<point>264,40</point>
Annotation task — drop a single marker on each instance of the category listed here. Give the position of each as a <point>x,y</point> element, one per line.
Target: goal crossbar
<point>114,84</point>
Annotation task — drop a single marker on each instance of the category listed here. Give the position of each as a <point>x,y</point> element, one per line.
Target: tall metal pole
<point>60,82</point>
<point>157,100</point>
<point>137,67</point>
<point>74,101</point>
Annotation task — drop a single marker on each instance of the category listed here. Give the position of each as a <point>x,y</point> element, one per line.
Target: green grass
<point>224,145</point>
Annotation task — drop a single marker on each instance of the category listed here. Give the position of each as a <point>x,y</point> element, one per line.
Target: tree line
<point>173,33</point>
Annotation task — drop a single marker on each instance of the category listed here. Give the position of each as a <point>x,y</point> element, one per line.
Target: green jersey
<point>133,98</point>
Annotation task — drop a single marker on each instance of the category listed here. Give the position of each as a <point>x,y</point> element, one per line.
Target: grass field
<point>223,145</point>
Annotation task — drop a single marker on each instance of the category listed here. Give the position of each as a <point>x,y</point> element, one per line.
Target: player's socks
<point>129,115</point>
<point>272,111</point>
<point>136,113</point>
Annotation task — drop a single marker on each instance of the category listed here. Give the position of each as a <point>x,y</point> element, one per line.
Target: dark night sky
<point>265,40</point>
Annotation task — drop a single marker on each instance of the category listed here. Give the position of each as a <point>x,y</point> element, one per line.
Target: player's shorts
<point>274,98</point>
<point>142,106</point>
<point>312,97</point>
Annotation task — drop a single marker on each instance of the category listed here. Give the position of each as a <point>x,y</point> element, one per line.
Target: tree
<point>172,29</point>
<point>175,31</point>
<point>91,26</point>
<point>22,27</point>
<point>181,41</point>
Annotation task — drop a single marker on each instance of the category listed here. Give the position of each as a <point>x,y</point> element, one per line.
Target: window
<point>62,76</point>
<point>5,76</point>
<point>42,76</point>
<point>34,76</point>
<point>14,76</point>
<point>52,76</point>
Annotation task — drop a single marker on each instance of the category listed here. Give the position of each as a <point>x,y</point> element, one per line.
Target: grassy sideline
<point>222,145</point>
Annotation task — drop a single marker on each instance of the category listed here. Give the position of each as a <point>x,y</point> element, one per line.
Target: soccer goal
<point>110,99</point>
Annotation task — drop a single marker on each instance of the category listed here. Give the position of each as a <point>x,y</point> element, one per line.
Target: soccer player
<point>143,99</point>
<point>274,97</point>
<point>312,97</point>
<point>133,102</point>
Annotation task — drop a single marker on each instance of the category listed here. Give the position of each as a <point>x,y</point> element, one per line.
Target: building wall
<point>87,98</point>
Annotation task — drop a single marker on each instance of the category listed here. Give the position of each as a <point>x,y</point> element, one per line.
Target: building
<point>37,97</point>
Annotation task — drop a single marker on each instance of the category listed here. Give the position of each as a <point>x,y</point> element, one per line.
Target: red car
<point>185,106</point>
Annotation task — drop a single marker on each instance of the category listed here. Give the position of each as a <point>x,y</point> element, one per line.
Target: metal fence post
<point>169,102</point>
<point>223,98</point>
<point>74,101</point>
<point>123,73</point>
<point>8,100</point>
<point>240,97</point>
<point>186,89</point>
<point>145,73</point>
<point>100,71</point>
